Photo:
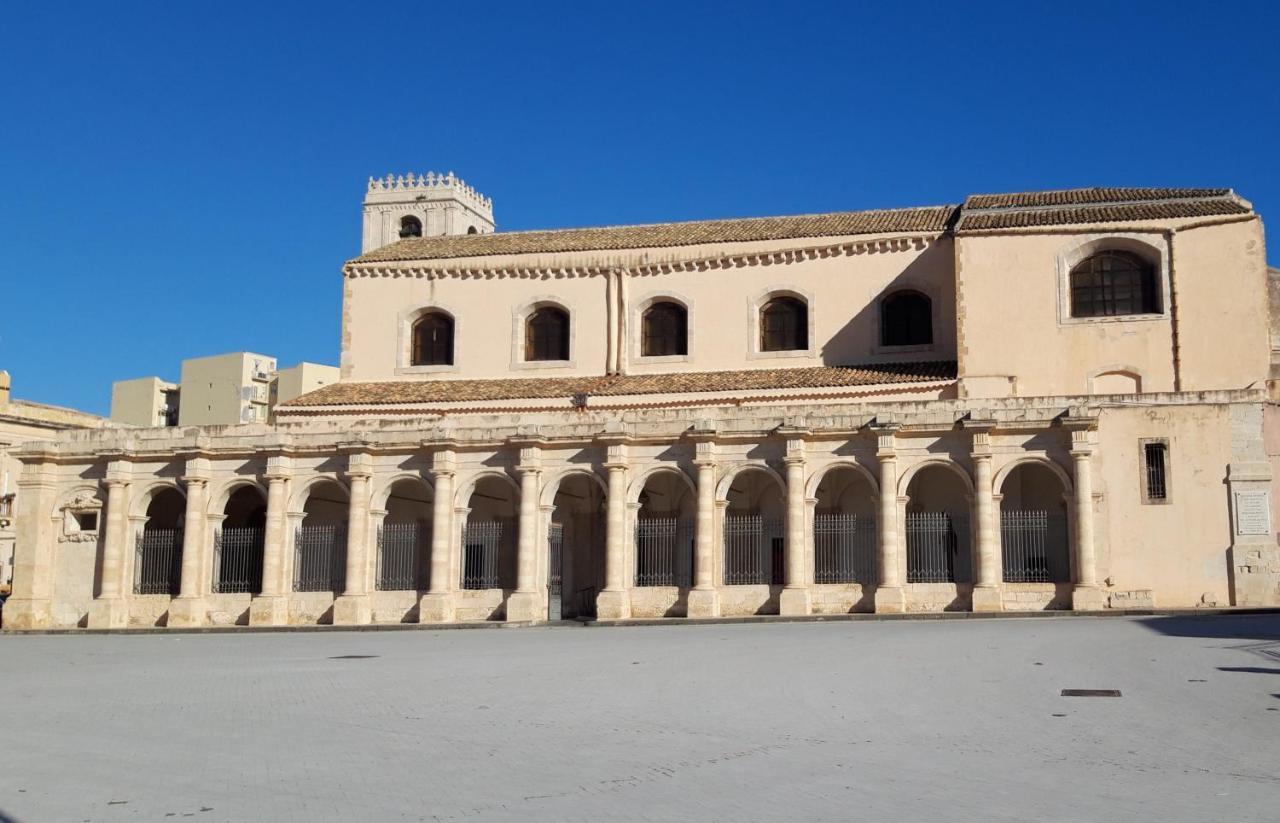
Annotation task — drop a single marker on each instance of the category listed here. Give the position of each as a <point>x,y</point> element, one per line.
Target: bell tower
<point>427,205</point>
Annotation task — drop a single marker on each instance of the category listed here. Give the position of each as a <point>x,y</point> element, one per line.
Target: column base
<point>352,610</point>
<point>22,614</point>
<point>1088,599</point>
<point>988,599</point>
<point>613,605</point>
<point>704,603</point>
<point>436,608</point>
<point>269,610</point>
<point>525,607</point>
<point>891,600</point>
<point>107,614</point>
<point>187,613</point>
<point>794,603</point>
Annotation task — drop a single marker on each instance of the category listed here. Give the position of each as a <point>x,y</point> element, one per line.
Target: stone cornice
<point>725,260</point>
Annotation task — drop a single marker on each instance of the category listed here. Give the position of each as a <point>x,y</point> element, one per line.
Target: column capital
<point>616,456</point>
<point>795,447</point>
<point>444,461</point>
<point>197,470</point>
<point>1081,444</point>
<point>119,472</point>
<point>704,453</point>
<point>279,468</point>
<point>359,464</point>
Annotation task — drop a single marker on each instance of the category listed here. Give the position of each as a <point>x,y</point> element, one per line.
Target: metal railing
<point>6,506</point>
<point>482,543</point>
<point>158,568</point>
<point>237,560</point>
<point>933,546</point>
<point>664,551</point>
<point>320,558</point>
<point>844,548</point>
<point>402,549</point>
<point>753,547</point>
<point>1033,546</point>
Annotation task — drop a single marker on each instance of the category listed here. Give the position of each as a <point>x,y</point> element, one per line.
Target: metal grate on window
<point>664,551</point>
<point>753,550</point>
<point>1154,457</point>
<point>844,547</point>
<point>158,567</point>
<point>237,554</point>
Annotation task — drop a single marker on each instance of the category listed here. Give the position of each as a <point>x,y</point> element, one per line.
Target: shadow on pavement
<point>1226,627</point>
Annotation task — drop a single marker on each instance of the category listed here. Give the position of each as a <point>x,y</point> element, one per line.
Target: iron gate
<point>753,550</point>
<point>320,558</point>
<point>482,553</point>
<point>237,560</point>
<point>555,572</point>
<point>933,547</point>
<point>158,567</point>
<point>1033,546</point>
<point>664,552</point>
<point>401,557</point>
<point>844,548</point>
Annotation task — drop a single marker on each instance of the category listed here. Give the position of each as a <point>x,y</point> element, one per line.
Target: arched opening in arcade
<point>158,545</point>
<point>754,531</point>
<point>320,544</point>
<point>1034,546</point>
<point>844,528</point>
<point>665,530</point>
<point>404,537</point>
<point>575,548</point>
<point>489,536</point>
<point>937,527</point>
<point>239,541</point>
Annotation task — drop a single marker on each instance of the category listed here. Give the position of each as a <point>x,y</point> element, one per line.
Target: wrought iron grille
<point>158,569</point>
<point>753,547</point>
<point>320,558</point>
<point>555,551</point>
<point>1033,545</point>
<point>932,547</point>
<point>844,547</point>
<point>1154,457</point>
<point>664,552</point>
<point>402,549</point>
<point>482,542</point>
<point>237,559</point>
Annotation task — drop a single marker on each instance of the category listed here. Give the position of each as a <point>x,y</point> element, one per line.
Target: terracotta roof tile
<point>1098,205</point>
<point>471,391</point>
<point>925,219</point>
<point>1073,197</point>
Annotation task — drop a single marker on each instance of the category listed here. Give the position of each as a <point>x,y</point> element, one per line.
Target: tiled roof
<point>925,219</point>
<point>1097,205</point>
<point>471,391</point>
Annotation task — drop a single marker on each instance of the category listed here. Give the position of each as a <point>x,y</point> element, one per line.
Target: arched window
<point>784,325</point>
<point>546,334</point>
<point>410,226</point>
<point>472,230</point>
<point>433,340</point>
<point>906,319</point>
<point>1113,283</point>
<point>664,330</point>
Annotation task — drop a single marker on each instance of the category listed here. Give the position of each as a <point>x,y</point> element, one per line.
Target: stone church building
<point>1042,400</point>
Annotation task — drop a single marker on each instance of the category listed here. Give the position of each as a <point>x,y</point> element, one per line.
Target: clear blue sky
<point>184,179</point>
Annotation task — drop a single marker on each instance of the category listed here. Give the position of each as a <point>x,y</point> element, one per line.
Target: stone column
<point>704,598</point>
<point>525,604</point>
<point>110,610</point>
<point>271,607</point>
<point>38,525</point>
<point>795,597</point>
<point>353,607</point>
<point>987,594</point>
<point>189,608</point>
<point>614,603</point>
<point>1086,595</point>
<point>436,606</point>
<point>890,597</point>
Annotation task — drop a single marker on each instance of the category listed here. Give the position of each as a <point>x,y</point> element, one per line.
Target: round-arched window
<point>1112,283</point>
<point>784,325</point>
<point>906,319</point>
<point>410,226</point>
<point>664,330</point>
<point>433,340</point>
<point>546,334</point>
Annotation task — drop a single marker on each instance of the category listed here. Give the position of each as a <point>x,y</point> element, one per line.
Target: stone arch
<point>1077,250</point>
<point>217,502</point>
<point>139,502</point>
<point>1004,471</point>
<point>815,479</point>
<point>904,482</point>
<point>722,488</point>
<point>462,497</point>
<point>552,486</point>
<point>298,499</point>
<point>382,490</point>
<point>1115,379</point>
<point>638,484</point>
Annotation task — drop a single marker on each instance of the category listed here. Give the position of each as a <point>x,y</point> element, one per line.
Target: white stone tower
<point>422,206</point>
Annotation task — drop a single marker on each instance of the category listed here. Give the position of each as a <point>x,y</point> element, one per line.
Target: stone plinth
<point>987,599</point>
<point>187,613</point>
<point>352,610</point>
<point>891,600</point>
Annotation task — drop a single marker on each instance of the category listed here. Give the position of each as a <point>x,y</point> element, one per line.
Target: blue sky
<point>185,179</point>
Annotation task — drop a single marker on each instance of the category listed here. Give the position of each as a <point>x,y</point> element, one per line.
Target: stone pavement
<point>952,720</point>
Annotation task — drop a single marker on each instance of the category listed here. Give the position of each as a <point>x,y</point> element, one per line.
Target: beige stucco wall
<point>302,378</point>
<point>138,402</point>
<point>221,389</point>
<point>723,305</point>
<point>1016,335</point>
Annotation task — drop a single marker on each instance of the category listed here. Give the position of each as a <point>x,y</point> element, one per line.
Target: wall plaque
<point>1253,513</point>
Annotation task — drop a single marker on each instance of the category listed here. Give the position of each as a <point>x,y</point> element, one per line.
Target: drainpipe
<point>1175,337</point>
<point>611,319</point>
<point>624,319</point>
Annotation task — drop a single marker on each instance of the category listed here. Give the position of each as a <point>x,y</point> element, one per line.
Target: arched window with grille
<point>906,319</point>
<point>1113,283</point>
<point>546,334</point>
<point>433,340</point>
<point>784,325</point>
<point>664,330</point>
<point>410,226</point>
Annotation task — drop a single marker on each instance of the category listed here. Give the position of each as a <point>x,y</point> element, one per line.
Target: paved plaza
<point>895,720</point>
